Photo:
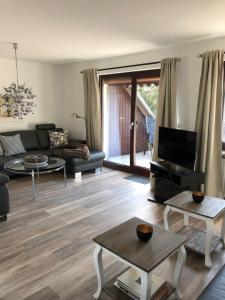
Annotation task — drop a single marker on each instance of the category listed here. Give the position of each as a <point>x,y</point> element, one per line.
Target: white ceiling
<point>74,30</point>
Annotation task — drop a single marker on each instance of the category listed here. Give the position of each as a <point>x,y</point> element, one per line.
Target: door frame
<point>134,75</point>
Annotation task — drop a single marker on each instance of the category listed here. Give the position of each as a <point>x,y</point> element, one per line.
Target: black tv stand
<point>171,179</point>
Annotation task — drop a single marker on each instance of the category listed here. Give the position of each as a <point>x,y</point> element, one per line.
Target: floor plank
<point>46,245</point>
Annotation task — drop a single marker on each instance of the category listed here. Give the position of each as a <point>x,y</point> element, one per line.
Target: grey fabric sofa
<point>37,141</point>
<point>4,197</point>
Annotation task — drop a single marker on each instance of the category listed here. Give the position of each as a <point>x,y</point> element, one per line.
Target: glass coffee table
<point>17,166</point>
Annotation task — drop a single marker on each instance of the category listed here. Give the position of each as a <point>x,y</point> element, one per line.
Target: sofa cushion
<point>28,137</point>
<point>216,289</point>
<point>12,144</point>
<point>58,139</point>
<point>43,139</point>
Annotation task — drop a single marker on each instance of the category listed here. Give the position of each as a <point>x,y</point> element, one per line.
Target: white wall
<point>70,86</point>
<point>41,77</point>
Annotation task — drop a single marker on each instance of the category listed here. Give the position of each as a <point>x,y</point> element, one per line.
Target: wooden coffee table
<point>207,211</point>
<point>122,243</point>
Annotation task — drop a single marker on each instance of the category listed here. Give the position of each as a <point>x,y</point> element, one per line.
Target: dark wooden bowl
<point>198,196</point>
<point>144,232</point>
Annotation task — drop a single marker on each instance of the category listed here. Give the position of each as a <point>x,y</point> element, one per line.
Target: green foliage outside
<point>150,95</point>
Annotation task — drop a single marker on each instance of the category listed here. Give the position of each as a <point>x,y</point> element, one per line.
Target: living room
<point>80,164</point>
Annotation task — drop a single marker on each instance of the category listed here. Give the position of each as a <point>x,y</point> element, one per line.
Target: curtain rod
<point>201,54</point>
<point>129,66</point>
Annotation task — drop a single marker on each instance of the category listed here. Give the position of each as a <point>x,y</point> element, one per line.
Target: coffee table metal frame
<point>37,172</point>
<point>209,227</point>
<point>145,276</point>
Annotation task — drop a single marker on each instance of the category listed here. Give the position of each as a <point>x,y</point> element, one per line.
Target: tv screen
<point>177,146</point>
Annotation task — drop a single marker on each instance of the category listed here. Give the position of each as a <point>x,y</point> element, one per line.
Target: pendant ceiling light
<point>17,100</point>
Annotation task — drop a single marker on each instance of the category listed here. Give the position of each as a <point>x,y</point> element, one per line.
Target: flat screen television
<point>177,146</point>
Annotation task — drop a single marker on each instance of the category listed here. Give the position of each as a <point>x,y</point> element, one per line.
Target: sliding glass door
<point>129,106</point>
<point>117,119</point>
<point>145,115</point>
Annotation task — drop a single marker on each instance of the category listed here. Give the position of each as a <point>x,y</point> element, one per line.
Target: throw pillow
<point>12,145</point>
<point>58,139</point>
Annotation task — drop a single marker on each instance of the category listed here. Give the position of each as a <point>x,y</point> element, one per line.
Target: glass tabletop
<point>17,165</point>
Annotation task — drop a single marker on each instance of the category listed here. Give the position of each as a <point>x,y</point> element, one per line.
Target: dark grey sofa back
<point>47,126</point>
<point>28,137</point>
<point>43,134</point>
<point>35,139</point>
<point>43,139</point>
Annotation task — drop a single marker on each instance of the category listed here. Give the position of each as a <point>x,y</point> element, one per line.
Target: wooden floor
<point>46,245</point>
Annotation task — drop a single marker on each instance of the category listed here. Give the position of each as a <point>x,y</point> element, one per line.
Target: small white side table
<point>122,243</point>
<point>207,211</point>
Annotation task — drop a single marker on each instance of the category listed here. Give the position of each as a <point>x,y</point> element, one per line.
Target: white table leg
<point>222,234</point>
<point>99,270</point>
<point>33,184</point>
<point>186,219</point>
<point>208,238</point>
<point>178,270</point>
<point>145,286</point>
<point>165,217</point>
<point>64,171</point>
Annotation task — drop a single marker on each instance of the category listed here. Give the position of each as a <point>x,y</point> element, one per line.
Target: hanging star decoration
<point>17,100</point>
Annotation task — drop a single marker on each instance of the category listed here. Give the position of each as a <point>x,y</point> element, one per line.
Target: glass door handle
<point>131,125</point>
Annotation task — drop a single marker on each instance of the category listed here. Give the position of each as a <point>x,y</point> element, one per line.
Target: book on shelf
<point>130,283</point>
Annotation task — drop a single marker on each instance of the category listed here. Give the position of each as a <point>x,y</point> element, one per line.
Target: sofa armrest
<point>3,179</point>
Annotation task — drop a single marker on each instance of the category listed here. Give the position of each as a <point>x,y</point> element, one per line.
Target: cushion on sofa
<point>43,134</point>
<point>12,145</point>
<point>28,137</point>
<point>58,139</point>
<point>43,139</point>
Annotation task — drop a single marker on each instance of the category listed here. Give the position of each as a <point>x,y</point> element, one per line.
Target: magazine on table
<point>130,283</point>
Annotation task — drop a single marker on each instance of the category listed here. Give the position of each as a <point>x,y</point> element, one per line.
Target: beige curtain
<point>209,122</point>
<point>223,175</point>
<point>166,112</point>
<point>92,109</point>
